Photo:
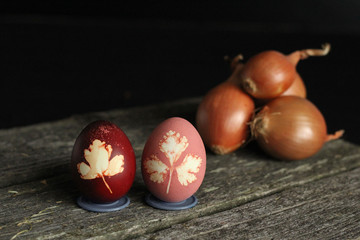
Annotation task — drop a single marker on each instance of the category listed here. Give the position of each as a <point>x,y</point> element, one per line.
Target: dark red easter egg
<point>103,162</point>
<point>174,160</point>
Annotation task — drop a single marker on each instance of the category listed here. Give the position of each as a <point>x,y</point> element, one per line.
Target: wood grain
<point>37,195</point>
<point>324,209</point>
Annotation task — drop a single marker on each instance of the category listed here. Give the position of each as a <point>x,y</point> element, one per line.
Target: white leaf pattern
<point>173,145</point>
<point>156,169</point>
<point>188,167</point>
<point>100,165</point>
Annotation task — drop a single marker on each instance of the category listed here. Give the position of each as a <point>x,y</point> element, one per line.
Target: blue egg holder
<point>103,207</point>
<point>123,202</point>
<point>170,206</point>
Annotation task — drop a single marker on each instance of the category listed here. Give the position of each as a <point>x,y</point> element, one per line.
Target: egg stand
<point>171,206</point>
<point>103,207</point>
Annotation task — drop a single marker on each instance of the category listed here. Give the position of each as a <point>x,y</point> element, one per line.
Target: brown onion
<point>267,75</point>
<point>297,88</point>
<point>270,73</point>
<point>291,128</point>
<point>222,118</point>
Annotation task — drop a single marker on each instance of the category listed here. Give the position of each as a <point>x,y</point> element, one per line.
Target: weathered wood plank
<point>324,209</point>
<point>38,198</point>
<point>48,210</point>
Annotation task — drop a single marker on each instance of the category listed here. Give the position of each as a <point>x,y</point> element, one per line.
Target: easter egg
<point>174,160</point>
<point>103,162</point>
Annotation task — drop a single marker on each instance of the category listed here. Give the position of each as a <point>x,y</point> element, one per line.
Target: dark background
<point>68,57</point>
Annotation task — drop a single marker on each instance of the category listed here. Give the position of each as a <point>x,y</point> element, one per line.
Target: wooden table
<point>245,195</point>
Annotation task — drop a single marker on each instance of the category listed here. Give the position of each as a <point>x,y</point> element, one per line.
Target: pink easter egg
<point>174,160</point>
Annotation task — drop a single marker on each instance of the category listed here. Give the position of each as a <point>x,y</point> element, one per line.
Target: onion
<point>297,88</point>
<point>222,117</point>
<point>291,128</point>
<point>270,73</point>
<point>267,75</point>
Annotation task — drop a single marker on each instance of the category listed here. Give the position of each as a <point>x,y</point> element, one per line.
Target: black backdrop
<point>73,57</point>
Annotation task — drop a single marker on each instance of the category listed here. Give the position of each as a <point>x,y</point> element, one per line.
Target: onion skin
<point>297,88</point>
<point>267,75</point>
<point>222,118</point>
<point>291,128</point>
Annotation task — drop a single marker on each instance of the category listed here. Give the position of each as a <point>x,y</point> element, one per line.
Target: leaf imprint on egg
<point>99,163</point>
<point>173,145</point>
